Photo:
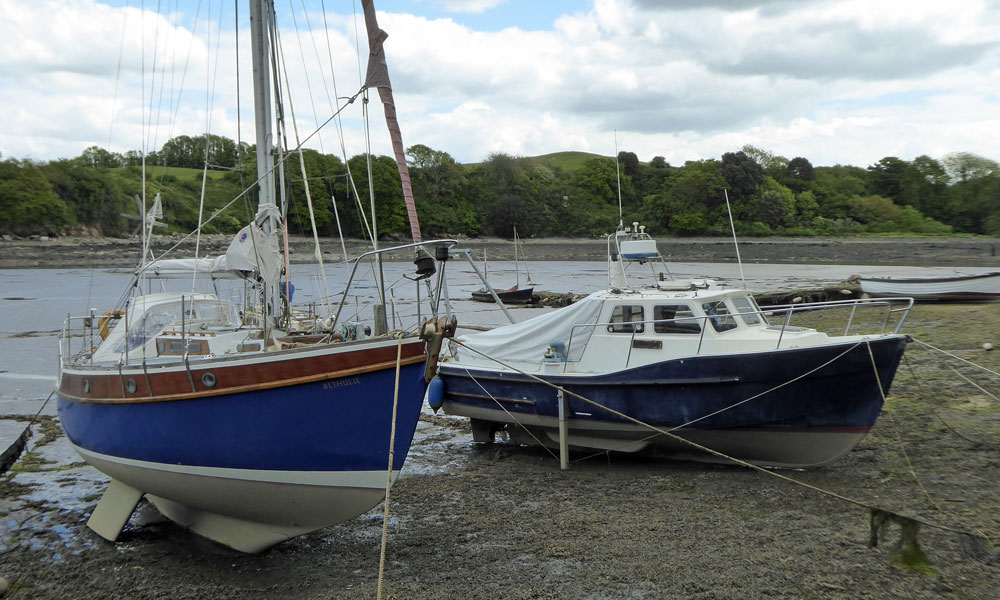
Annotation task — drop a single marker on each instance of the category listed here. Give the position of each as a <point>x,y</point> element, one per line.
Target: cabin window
<point>749,311</point>
<point>176,347</point>
<point>623,319</point>
<point>719,315</point>
<point>674,318</point>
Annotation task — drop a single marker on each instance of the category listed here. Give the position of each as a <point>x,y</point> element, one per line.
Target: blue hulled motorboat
<point>693,359</point>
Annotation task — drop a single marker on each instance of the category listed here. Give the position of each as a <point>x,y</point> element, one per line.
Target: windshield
<point>747,309</point>
<point>720,316</point>
<point>199,314</point>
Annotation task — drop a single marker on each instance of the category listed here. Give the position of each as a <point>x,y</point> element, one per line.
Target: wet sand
<point>85,252</point>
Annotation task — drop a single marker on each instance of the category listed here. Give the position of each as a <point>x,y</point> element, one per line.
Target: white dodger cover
<point>528,341</point>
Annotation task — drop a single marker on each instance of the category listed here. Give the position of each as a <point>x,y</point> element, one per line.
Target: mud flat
<point>501,521</point>
<point>84,252</point>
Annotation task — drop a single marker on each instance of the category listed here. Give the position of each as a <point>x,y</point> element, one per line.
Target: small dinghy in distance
<point>977,288</point>
<point>513,295</point>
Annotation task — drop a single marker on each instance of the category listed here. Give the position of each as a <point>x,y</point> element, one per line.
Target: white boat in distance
<point>985,286</point>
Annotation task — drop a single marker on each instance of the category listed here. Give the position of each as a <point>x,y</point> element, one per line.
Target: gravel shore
<point>84,252</point>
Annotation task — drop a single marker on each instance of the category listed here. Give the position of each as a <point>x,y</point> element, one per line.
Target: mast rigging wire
<point>336,110</point>
<point>211,78</point>
<point>305,185</point>
<point>326,89</point>
<point>118,72</point>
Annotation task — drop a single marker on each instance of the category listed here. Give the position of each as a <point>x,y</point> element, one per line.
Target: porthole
<point>208,379</point>
<point>86,386</point>
<point>130,385</point>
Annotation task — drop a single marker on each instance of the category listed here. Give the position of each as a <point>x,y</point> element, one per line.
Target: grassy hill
<point>569,161</point>
<point>182,173</point>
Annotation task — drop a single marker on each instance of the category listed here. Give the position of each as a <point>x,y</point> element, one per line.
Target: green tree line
<point>564,194</point>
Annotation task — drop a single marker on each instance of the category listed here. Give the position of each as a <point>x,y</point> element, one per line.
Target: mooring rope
<point>906,455</point>
<point>972,383</point>
<point>899,439</point>
<point>777,387</point>
<point>388,478</point>
<point>955,356</point>
<point>764,393</point>
<point>509,414</point>
<point>937,414</point>
<point>692,421</point>
<point>743,463</point>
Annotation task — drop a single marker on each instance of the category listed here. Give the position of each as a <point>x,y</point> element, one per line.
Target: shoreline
<point>90,252</point>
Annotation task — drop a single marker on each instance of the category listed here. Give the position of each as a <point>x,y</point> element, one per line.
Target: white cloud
<point>839,81</point>
<point>469,6</point>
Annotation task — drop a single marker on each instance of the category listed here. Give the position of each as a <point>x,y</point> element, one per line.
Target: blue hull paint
<point>334,425</point>
<point>842,396</point>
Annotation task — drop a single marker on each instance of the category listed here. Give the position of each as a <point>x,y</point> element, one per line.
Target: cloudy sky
<point>836,81</point>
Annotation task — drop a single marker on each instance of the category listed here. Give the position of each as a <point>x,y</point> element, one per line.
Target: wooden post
<point>563,432</point>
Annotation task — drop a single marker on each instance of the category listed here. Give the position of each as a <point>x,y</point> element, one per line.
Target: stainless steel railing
<point>899,307</point>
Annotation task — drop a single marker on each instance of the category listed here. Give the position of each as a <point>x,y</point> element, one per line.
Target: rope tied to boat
<point>955,356</point>
<point>682,425</point>
<point>961,375</point>
<point>510,414</point>
<point>908,548</point>
<point>388,478</point>
<point>967,536</point>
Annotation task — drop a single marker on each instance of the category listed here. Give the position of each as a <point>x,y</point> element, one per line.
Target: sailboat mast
<point>268,215</point>
<point>260,47</point>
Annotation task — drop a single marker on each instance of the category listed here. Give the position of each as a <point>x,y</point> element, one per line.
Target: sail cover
<point>184,268</point>
<point>254,250</point>
<point>378,77</point>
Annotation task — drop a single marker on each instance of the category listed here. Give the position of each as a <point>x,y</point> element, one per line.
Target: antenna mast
<point>618,175</point>
<point>735,243</point>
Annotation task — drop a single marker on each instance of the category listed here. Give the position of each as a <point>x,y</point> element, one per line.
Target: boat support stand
<point>563,432</point>
<point>114,510</point>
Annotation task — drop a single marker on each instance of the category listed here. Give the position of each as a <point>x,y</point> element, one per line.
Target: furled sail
<point>378,77</point>
<point>254,250</point>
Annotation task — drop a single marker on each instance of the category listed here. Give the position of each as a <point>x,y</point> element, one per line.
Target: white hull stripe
<point>359,479</point>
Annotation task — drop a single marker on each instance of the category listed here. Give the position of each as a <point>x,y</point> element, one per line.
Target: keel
<point>114,510</point>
